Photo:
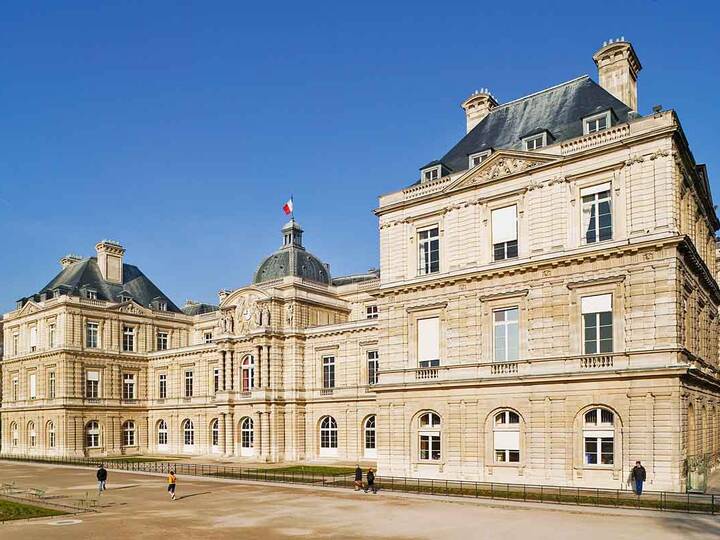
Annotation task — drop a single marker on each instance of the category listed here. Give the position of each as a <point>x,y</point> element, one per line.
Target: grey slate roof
<point>357,278</point>
<point>196,308</point>
<point>559,110</point>
<point>86,273</point>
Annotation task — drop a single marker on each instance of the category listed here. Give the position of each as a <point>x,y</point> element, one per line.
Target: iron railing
<point>580,496</point>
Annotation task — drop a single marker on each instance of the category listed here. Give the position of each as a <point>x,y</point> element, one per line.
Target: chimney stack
<point>618,68</point>
<point>69,259</point>
<point>110,260</point>
<point>478,106</point>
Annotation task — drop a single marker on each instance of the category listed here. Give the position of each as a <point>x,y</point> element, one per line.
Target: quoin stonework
<point>545,312</point>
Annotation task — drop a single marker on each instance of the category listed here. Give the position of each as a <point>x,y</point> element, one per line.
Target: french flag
<point>288,206</point>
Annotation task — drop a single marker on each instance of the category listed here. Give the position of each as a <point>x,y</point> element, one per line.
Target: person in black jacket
<point>638,475</point>
<point>101,478</point>
<point>370,481</point>
<point>358,478</point>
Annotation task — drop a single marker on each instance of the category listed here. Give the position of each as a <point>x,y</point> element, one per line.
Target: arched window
<point>429,437</point>
<point>215,434</point>
<point>92,434</point>
<point>506,437</point>
<point>248,373</point>
<point>369,436</point>
<point>246,436</point>
<point>51,435</point>
<point>328,436</point>
<point>188,433</point>
<point>599,436</point>
<point>162,433</point>
<point>129,433</point>
<point>14,434</point>
<point>32,434</point>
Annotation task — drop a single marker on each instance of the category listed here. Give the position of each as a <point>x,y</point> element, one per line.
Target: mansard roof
<point>85,274</point>
<point>558,110</point>
<point>198,308</point>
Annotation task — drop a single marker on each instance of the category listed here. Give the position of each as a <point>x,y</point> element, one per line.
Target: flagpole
<point>292,212</point>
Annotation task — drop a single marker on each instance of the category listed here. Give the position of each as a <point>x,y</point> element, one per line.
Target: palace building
<point>545,312</point>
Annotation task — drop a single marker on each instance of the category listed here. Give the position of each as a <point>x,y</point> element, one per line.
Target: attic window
<point>477,158</point>
<point>597,122</point>
<point>91,294</point>
<point>430,174</point>
<point>125,298</point>
<point>162,306</point>
<point>535,141</point>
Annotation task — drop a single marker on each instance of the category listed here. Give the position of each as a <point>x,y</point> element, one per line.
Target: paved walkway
<point>137,506</point>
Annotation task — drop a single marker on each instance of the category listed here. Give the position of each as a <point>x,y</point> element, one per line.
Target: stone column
<point>265,434</point>
<point>258,439</point>
<point>221,434</point>
<point>232,370</point>
<point>222,370</point>
<point>259,379</point>
<point>269,383</point>
<point>229,434</point>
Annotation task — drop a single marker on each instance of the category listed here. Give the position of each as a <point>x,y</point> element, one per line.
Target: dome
<point>292,260</point>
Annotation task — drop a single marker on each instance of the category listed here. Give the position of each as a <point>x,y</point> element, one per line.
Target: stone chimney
<point>110,260</point>
<point>69,259</point>
<point>478,106</point>
<point>618,68</point>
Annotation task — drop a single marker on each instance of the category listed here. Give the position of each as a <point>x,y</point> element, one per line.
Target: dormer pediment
<point>131,306</point>
<point>29,308</point>
<point>503,163</point>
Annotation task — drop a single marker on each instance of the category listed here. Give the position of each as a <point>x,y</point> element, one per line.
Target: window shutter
<point>597,304</point>
<point>428,339</point>
<point>507,440</point>
<point>33,336</point>
<point>600,434</point>
<point>33,384</point>
<point>504,224</point>
<point>595,189</point>
<point>93,376</point>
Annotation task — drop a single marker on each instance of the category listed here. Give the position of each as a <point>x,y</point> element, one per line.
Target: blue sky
<point>180,128</point>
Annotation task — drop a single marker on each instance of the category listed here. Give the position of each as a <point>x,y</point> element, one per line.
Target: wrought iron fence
<point>580,496</point>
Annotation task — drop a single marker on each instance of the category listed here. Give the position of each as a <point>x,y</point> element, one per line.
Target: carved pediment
<point>500,164</point>
<point>131,307</point>
<point>28,308</point>
<point>243,310</point>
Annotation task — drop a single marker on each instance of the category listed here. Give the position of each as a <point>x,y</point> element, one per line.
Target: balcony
<point>519,369</point>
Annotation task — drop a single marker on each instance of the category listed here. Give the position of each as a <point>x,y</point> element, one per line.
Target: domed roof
<point>292,260</point>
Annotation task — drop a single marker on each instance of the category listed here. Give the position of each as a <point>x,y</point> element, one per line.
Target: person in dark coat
<point>370,481</point>
<point>358,478</point>
<point>101,478</point>
<point>638,475</point>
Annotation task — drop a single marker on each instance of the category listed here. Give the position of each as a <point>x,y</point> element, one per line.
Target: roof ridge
<point>576,79</point>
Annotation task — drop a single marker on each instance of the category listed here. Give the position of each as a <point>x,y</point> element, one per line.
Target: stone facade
<point>282,370</point>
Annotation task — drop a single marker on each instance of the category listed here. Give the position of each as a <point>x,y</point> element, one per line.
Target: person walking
<point>638,475</point>
<point>358,478</point>
<point>101,478</point>
<point>371,482</point>
<point>172,481</point>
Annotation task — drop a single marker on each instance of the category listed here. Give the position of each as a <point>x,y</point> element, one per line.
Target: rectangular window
<point>162,386</point>
<point>129,386</point>
<point>596,123</point>
<point>373,365</point>
<point>477,159</point>
<point>429,251</point>
<point>207,337</point>
<point>92,295</point>
<point>431,174</point>
<point>51,336</point>
<point>504,233</point>
<point>506,334</point>
<point>15,386</point>
<point>428,341</point>
<point>92,384</point>
<point>429,446</point>
<point>33,338</point>
<point>371,312</point>
<point>32,382</point>
<point>535,142</point>
<point>216,379</point>
<point>596,213</point>
<point>597,324</point>
<point>507,446</point>
<point>15,343</point>
<point>162,341</point>
<point>328,371</point>
<point>188,384</point>
<point>51,385</point>
<point>599,450</point>
<point>91,335</point>
<point>128,339</point>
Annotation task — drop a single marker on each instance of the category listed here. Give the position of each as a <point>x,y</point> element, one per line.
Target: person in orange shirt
<point>172,481</point>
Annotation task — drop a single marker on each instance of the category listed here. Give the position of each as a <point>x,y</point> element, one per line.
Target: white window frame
<point>15,388</point>
<point>328,371</point>
<point>430,432</point>
<point>247,373</point>
<point>32,385</point>
<point>370,437</point>
<point>594,118</point>
<point>189,383</point>
<point>14,435</point>
<point>91,294</point>
<point>215,436</point>
<point>92,384</point>
<point>500,240</point>
<point>207,337</point>
<point>328,437</point>
<point>128,338</point>
<point>424,357</point>
<point>33,338</point>
<point>506,425</point>
<point>594,192</point>
<point>92,434</point>
<point>598,431</point>
<point>51,335</point>
<point>162,434</point>
<point>162,340</point>
<point>16,343</point>
<point>51,434</point>
<point>506,326</point>
<point>52,384</point>
<point>593,306</point>
<point>425,252</point>
<point>129,435</point>
<point>531,143</point>
<point>162,305</point>
<point>216,380</point>
<point>188,432</point>
<point>92,335</point>
<point>479,156</point>
<point>129,390</point>
<point>247,437</point>
<point>162,385</point>
<point>32,435</point>
<point>373,363</point>
<point>431,173</point>
<point>371,311</point>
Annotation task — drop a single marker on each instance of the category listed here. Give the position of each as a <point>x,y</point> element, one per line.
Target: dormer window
<point>162,306</point>
<point>597,122</point>
<point>433,173</point>
<point>477,158</point>
<point>91,294</point>
<point>535,141</point>
<point>124,297</point>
